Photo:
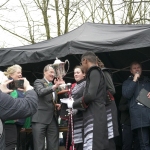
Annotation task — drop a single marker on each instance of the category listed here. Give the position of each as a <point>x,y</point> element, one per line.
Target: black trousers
<point>144,137</point>
<point>112,145</point>
<point>130,138</point>
<point>10,136</point>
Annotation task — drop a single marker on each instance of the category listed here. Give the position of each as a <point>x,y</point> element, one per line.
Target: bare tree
<point>66,11</point>
<point>58,17</point>
<point>4,3</point>
<point>43,6</point>
<point>29,20</point>
<point>45,19</point>
<point>136,11</point>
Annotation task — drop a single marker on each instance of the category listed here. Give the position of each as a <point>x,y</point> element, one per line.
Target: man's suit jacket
<point>46,108</point>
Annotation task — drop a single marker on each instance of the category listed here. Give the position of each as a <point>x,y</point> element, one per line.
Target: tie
<point>50,83</point>
<point>53,95</point>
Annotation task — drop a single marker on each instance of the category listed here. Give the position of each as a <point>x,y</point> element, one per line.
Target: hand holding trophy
<point>60,72</point>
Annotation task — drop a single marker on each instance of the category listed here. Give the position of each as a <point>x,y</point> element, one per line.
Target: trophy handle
<point>66,61</point>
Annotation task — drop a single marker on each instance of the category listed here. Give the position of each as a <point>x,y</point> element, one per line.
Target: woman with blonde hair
<point>11,126</point>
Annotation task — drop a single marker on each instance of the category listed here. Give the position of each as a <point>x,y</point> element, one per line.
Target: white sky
<point>17,16</point>
<point>7,39</point>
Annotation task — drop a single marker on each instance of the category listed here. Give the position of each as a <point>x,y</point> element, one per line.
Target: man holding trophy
<point>44,121</point>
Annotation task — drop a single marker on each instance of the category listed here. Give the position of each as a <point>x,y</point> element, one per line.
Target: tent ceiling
<point>116,45</point>
<point>88,37</point>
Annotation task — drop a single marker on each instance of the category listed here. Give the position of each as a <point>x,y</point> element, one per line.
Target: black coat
<point>11,108</point>
<point>111,106</point>
<point>124,108</point>
<point>140,115</point>
<point>94,116</point>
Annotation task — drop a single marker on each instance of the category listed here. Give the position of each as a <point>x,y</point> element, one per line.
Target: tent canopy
<point>88,37</point>
<point>116,45</point>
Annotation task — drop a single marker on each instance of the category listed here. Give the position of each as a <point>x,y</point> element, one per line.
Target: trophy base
<point>62,92</point>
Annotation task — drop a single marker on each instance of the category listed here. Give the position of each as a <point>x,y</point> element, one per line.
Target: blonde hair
<point>11,70</point>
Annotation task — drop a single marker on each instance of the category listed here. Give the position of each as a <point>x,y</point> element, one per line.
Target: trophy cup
<point>60,72</point>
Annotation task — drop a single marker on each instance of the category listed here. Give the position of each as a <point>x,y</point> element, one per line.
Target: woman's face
<point>17,75</point>
<point>78,75</point>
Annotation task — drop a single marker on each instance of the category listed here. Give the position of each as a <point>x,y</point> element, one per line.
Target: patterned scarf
<point>78,87</point>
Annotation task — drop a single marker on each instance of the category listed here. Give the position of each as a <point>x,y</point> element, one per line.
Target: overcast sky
<point>17,16</point>
<point>7,39</point>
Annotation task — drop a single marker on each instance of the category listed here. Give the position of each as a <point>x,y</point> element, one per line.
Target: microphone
<point>139,75</point>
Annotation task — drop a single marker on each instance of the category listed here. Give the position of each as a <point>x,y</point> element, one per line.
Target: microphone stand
<point>70,122</point>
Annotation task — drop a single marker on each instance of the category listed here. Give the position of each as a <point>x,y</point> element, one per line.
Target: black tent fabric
<point>88,37</point>
<point>116,45</point>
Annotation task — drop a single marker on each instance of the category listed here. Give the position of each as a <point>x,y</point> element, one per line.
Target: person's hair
<point>99,63</point>
<point>46,68</point>
<point>11,70</point>
<point>81,68</point>
<point>90,56</point>
<point>135,63</point>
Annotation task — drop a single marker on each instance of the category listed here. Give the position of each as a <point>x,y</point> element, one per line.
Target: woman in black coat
<point>112,120</point>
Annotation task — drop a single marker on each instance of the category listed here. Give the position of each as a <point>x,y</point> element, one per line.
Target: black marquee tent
<point>88,37</point>
<point>116,45</point>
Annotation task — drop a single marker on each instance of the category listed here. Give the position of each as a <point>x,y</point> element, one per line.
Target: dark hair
<point>135,63</point>
<point>46,68</point>
<point>80,67</point>
<point>99,62</point>
<point>90,56</point>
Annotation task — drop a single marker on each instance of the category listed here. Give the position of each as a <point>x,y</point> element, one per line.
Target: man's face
<point>136,68</point>
<point>49,74</point>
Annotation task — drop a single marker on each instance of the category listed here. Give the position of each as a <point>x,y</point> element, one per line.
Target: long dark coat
<point>140,115</point>
<point>94,117</point>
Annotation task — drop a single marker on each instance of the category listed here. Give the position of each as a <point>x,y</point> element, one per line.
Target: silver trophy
<point>59,68</point>
<point>60,72</point>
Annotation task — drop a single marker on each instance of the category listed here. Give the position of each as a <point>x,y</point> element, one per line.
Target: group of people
<point>95,125</point>
<point>95,122</point>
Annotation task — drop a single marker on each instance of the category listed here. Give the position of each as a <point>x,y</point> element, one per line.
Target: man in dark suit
<point>44,121</point>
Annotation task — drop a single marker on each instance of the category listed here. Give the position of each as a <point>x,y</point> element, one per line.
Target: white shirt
<point>52,92</point>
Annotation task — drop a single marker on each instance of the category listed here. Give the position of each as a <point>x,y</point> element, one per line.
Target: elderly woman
<point>11,126</point>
